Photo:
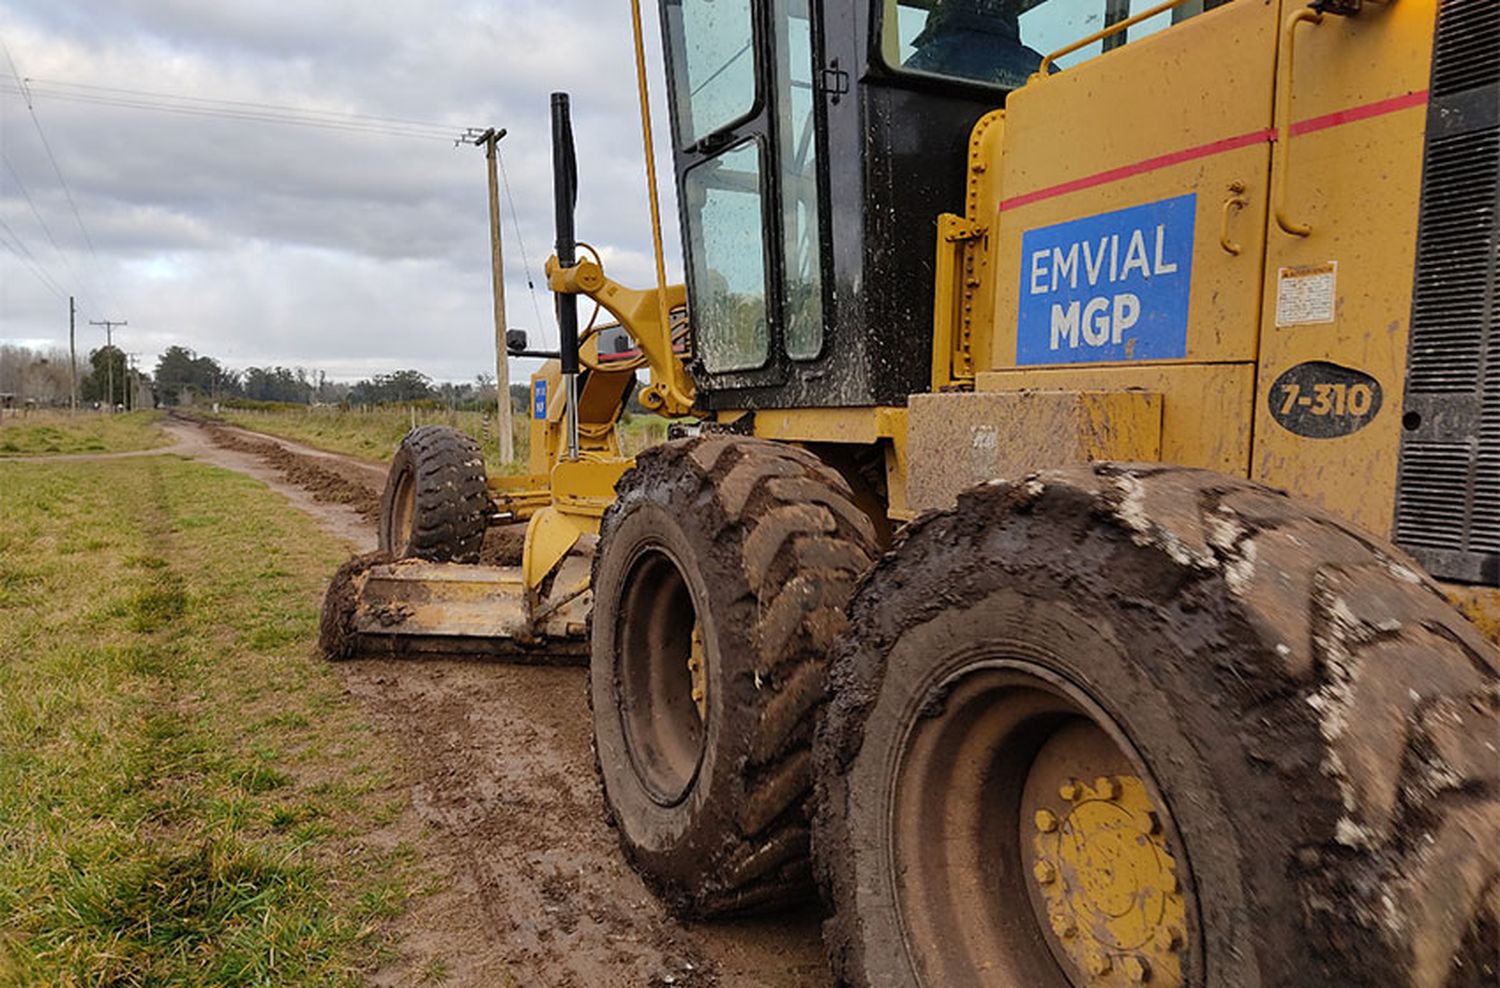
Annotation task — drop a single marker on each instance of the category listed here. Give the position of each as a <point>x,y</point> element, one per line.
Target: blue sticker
<point>1111,287</point>
<point>539,398</point>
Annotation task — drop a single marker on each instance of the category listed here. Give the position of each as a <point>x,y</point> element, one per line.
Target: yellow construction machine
<point>1086,418</point>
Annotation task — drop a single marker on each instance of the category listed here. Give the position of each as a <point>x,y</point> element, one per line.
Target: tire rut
<point>506,815</point>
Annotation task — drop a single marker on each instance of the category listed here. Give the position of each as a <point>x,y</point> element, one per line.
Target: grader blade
<point>417,609</point>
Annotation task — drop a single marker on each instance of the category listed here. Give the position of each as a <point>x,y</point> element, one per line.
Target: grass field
<point>186,797</point>
<point>374,433</point>
<point>48,433</point>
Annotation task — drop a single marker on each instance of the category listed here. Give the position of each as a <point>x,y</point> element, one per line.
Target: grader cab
<point>1088,417</point>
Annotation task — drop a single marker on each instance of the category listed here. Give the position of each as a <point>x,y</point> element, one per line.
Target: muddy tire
<point>724,567</point>
<point>1313,727</point>
<point>435,503</point>
<point>336,636</point>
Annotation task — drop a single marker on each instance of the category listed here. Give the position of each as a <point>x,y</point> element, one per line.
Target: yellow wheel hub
<point>1109,885</point>
<point>698,673</point>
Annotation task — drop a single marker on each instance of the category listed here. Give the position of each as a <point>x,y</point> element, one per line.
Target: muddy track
<point>530,886</point>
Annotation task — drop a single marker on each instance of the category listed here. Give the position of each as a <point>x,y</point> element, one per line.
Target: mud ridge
<point>324,483</point>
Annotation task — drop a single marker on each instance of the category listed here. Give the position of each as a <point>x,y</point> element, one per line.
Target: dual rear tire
<point>1142,725</point>
<point>1108,726</point>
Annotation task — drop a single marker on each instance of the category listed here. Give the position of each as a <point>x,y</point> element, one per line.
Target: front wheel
<point>435,503</point>
<point>720,582</point>
<point>1142,725</point>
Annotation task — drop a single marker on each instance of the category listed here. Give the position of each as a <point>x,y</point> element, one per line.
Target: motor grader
<point>1086,418</point>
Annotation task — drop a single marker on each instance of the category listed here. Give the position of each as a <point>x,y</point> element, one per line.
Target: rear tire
<point>720,583</point>
<point>1312,724</point>
<point>435,504</point>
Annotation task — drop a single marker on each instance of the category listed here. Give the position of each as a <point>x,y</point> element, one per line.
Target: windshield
<point>1002,42</point>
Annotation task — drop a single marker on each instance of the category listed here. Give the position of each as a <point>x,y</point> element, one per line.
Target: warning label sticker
<point>1305,295</point>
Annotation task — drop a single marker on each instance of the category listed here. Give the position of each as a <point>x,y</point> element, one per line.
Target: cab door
<point>1340,251</point>
<point>1132,222</point>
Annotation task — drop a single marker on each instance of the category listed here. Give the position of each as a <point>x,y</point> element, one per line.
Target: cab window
<point>726,253</point>
<point>1002,42</point>
<point>800,196</point>
<point>712,46</point>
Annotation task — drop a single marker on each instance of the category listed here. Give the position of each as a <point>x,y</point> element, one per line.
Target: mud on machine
<point>1087,420</point>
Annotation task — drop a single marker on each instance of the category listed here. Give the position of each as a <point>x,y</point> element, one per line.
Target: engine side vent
<point>1454,249</point>
<point>1448,488</point>
<point>1467,53</point>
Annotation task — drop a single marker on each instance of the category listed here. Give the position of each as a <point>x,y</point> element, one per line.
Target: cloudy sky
<point>265,243</point>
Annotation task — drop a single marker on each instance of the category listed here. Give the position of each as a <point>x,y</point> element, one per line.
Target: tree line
<point>44,377</point>
<point>184,377</point>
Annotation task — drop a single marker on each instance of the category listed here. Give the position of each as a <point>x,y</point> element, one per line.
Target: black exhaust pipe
<point>565,202</point>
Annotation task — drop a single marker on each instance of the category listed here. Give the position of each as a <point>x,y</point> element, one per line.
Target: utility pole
<point>132,383</point>
<point>72,360</point>
<point>109,342</point>
<point>487,140</point>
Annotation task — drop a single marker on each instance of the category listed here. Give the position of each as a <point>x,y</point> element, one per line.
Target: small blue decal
<point>539,398</point>
<point>1111,287</point>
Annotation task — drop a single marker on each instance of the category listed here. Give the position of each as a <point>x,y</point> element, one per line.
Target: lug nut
<point>1068,791</point>
<point>1099,964</point>
<point>1136,969</point>
<point>1106,788</point>
<point>1063,925</point>
<point>1045,873</point>
<point>1046,821</point>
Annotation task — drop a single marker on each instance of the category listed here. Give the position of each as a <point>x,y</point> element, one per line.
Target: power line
<point>62,255</point>
<point>254,104</point>
<point>356,124</point>
<point>23,253</point>
<point>57,170</point>
<point>520,241</point>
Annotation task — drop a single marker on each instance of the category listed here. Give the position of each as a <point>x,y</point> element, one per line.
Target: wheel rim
<point>662,677</point>
<point>1029,844</point>
<point>403,513</point>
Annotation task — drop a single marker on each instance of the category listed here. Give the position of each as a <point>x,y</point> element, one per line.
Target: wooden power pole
<point>72,360</point>
<point>109,343</point>
<point>488,140</point>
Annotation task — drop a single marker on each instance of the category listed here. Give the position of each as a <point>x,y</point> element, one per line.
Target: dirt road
<point>505,810</point>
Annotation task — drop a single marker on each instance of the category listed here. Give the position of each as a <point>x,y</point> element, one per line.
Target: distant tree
<point>278,384</point>
<point>38,375</point>
<point>402,385</point>
<point>180,372</point>
<point>333,392</point>
<point>457,395</point>
<point>108,368</point>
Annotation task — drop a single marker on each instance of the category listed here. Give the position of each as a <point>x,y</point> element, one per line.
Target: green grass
<point>186,795</point>
<point>374,433</point>
<point>49,433</point>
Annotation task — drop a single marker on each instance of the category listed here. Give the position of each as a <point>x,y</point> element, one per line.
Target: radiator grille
<point>1453,269</point>
<point>1433,498</point>
<point>1467,52</point>
<point>1448,489</point>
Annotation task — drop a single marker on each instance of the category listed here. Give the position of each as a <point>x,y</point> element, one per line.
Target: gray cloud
<point>266,243</point>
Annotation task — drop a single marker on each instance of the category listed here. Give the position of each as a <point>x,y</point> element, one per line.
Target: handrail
<point>1284,122</point>
<point>1107,32</point>
<point>675,387</point>
<point>1236,201</point>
